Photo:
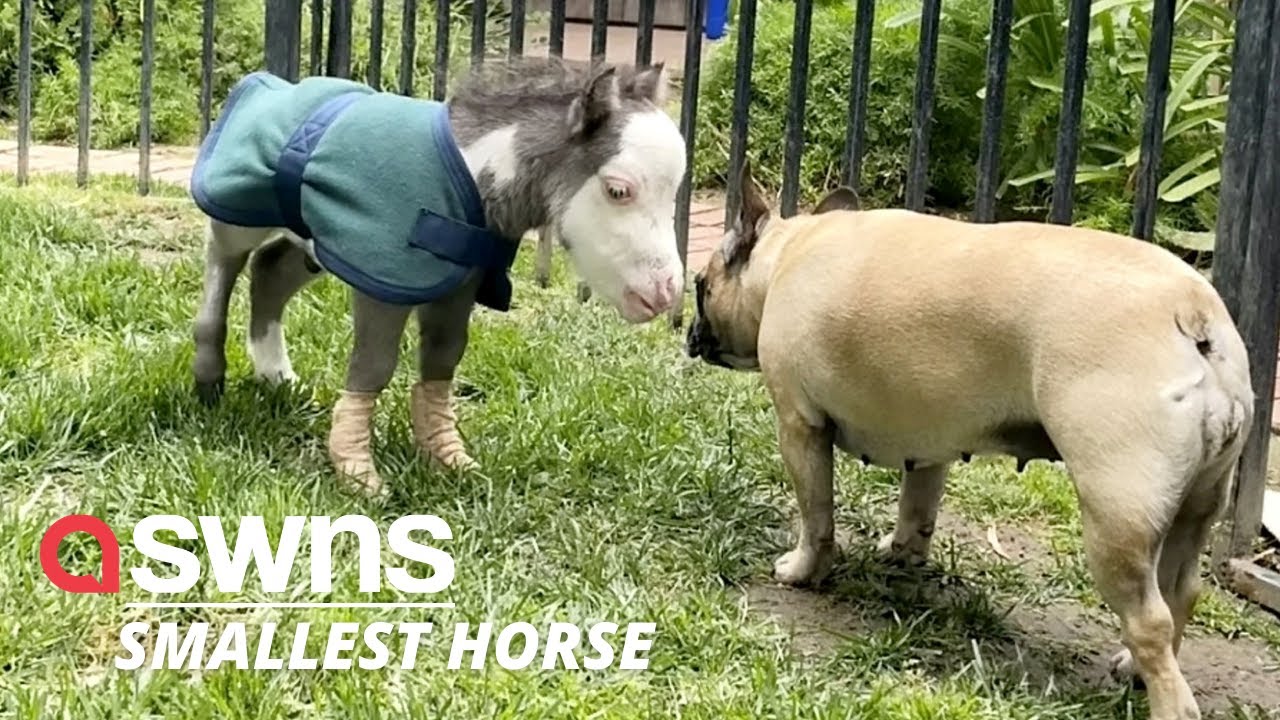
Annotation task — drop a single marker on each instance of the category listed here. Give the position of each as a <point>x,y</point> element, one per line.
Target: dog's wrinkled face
<point>726,320</point>
<point>724,327</point>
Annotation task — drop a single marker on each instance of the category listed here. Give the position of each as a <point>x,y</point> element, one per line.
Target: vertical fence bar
<point>440,75</point>
<point>316,66</point>
<point>922,105</point>
<point>206,68</point>
<point>144,114</point>
<point>479,12</point>
<point>644,32</point>
<point>408,45</point>
<point>984,210</point>
<point>282,37</point>
<point>1246,258</point>
<point>338,62</point>
<point>794,142</point>
<point>859,81</point>
<point>1144,207</point>
<point>373,76</point>
<point>688,124</point>
<point>86,92</point>
<point>555,44</point>
<point>24,90</point>
<point>741,108</point>
<point>599,28</point>
<point>516,47</point>
<point>1064,176</point>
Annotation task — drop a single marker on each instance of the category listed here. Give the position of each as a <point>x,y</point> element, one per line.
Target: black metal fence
<point>1247,258</point>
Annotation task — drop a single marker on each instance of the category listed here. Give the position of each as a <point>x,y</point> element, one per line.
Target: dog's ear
<point>752,216</point>
<point>599,100</point>
<point>842,198</point>
<point>648,84</point>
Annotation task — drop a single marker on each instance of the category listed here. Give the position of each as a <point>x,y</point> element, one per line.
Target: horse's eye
<point>619,192</point>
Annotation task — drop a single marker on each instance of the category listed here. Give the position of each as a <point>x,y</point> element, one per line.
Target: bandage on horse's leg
<point>443,331</point>
<point>378,328</point>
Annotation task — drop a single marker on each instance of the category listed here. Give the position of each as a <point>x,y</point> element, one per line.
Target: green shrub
<point>1111,124</point>
<point>957,109</point>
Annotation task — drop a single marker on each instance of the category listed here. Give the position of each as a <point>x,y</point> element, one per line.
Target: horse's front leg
<point>378,328</point>
<point>443,328</point>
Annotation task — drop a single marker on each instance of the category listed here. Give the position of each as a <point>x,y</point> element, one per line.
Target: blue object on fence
<point>717,15</point>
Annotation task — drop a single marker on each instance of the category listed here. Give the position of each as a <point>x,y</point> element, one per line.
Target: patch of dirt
<point>1049,648</point>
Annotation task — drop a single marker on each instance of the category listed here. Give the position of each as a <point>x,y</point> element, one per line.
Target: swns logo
<point>347,645</point>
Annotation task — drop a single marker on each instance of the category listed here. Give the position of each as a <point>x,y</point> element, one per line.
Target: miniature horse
<point>587,153</point>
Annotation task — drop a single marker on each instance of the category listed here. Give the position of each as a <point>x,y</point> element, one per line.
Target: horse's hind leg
<point>227,247</point>
<point>277,272</point>
<point>378,329</point>
<point>443,329</point>
<point>542,262</point>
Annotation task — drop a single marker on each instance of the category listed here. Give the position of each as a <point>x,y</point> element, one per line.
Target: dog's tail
<point>1204,321</point>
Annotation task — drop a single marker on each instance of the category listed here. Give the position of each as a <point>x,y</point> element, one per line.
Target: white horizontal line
<point>290,605</point>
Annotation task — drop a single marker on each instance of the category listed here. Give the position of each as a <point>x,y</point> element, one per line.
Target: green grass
<point>621,482</point>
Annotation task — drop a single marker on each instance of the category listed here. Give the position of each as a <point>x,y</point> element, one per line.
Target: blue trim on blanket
<point>385,291</point>
<point>292,162</point>
<point>479,246</point>
<point>200,192</point>
<point>459,175</point>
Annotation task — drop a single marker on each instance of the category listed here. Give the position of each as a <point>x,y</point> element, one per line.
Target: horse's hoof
<point>210,392</point>
<point>360,477</point>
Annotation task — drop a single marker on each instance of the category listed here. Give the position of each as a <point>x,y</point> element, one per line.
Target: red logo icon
<point>110,568</point>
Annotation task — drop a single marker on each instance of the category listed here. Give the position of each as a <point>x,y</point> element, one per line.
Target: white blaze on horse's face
<point>620,225</point>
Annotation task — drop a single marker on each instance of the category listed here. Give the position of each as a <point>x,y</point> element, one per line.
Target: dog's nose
<point>693,343</point>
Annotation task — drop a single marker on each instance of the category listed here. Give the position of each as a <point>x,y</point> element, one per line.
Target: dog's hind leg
<point>277,272</point>
<point>378,329</point>
<point>227,248</point>
<point>1123,513</point>
<point>918,499</point>
<point>1179,568</point>
<point>808,454</point>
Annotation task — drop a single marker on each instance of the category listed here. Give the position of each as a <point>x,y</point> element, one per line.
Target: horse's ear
<point>598,100</point>
<point>650,84</point>
<point>753,214</point>
<point>842,198</point>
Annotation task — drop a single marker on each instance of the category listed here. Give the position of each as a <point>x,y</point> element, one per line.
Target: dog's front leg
<point>918,499</point>
<point>378,328</point>
<point>807,453</point>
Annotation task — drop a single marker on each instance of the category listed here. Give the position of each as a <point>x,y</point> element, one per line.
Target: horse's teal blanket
<point>375,179</point>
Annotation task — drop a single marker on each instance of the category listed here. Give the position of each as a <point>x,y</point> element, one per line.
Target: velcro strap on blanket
<point>462,243</point>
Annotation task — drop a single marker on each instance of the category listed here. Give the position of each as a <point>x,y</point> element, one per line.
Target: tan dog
<point>913,341</point>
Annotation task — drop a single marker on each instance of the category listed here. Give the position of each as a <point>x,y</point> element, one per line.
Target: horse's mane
<point>528,80</point>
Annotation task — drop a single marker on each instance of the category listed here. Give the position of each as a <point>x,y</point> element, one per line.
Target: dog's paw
<point>1123,670</point>
<point>803,566</point>
<point>909,554</point>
